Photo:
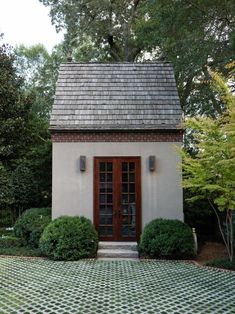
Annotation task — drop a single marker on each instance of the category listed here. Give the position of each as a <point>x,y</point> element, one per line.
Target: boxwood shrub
<point>69,238</point>
<point>30,225</point>
<point>164,238</point>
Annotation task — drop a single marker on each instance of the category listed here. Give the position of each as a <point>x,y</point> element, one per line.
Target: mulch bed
<point>210,251</point>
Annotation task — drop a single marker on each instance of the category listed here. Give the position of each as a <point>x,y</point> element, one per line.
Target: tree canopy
<point>108,24</point>
<point>190,34</point>
<point>14,110</point>
<point>211,173</point>
<point>40,71</point>
<point>25,147</point>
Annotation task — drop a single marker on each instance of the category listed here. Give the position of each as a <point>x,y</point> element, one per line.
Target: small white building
<point>114,129</point>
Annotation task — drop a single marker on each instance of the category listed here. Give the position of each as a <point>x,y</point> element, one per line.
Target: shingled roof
<point>116,96</point>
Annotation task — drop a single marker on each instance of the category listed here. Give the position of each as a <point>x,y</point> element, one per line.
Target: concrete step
<point>118,245</point>
<point>118,259</point>
<point>117,253</point>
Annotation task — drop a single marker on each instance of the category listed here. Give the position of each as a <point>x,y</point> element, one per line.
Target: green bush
<point>163,238</point>
<point>69,238</point>
<point>9,241</point>
<point>30,225</point>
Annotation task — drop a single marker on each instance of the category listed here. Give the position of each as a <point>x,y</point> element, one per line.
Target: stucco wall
<point>72,192</point>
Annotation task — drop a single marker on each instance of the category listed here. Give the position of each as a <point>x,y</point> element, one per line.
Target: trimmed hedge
<point>164,238</point>
<point>9,242</point>
<point>29,227</point>
<point>69,238</point>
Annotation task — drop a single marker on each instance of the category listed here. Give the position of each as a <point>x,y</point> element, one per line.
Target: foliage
<point>225,230</point>
<point>25,146</point>
<point>9,241</point>
<point>210,174</point>
<point>6,197</point>
<point>166,238</point>
<point>14,110</point>
<point>7,217</point>
<point>31,180</point>
<point>6,231</point>
<point>20,251</point>
<point>69,238</point>
<point>192,35</point>
<point>200,215</point>
<point>39,161</point>
<point>108,25</point>
<point>30,226</point>
<point>222,263</point>
<point>40,70</point>
<point>24,188</point>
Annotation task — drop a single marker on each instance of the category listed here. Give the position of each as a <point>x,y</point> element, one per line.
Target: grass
<point>224,263</point>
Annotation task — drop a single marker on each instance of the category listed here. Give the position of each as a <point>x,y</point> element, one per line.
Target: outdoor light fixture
<point>152,163</point>
<point>82,163</point>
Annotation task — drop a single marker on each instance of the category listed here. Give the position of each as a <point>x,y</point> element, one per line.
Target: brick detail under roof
<point>117,137</point>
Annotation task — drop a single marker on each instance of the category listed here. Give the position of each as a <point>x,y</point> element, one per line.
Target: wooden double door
<point>117,198</point>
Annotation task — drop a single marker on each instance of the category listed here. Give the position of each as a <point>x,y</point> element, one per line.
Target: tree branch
<point>205,12</point>
<point>136,3</point>
<point>220,227</point>
<point>113,48</point>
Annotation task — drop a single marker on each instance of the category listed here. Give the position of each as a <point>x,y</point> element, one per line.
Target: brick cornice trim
<point>169,136</point>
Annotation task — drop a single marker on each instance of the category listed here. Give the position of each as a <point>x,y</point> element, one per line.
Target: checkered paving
<point>117,287</point>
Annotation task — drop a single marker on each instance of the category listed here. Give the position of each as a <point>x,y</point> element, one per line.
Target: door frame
<point>117,185</point>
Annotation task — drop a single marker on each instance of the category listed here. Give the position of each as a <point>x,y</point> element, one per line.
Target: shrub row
<point>65,238</point>
<point>73,238</point>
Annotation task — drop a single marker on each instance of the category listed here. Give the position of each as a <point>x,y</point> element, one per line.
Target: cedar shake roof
<point>116,96</point>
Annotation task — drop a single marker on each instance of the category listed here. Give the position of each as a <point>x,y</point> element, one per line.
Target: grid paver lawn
<point>90,286</point>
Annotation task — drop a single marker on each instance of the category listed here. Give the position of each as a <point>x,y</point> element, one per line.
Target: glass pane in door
<point>128,200</point>
<point>106,199</point>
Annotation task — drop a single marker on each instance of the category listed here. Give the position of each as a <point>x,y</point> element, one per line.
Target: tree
<point>24,187</point>
<point>38,161</point>
<point>211,173</point>
<point>40,72</point>
<point>25,146</point>
<point>109,25</point>
<point>6,197</point>
<point>190,34</point>
<point>14,110</point>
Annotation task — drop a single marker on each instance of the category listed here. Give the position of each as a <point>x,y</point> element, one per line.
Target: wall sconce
<point>152,163</point>
<point>82,163</point>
